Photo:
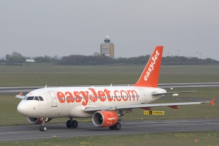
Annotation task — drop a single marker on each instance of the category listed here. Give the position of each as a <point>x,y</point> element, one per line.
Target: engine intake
<point>105,118</point>
<point>37,120</point>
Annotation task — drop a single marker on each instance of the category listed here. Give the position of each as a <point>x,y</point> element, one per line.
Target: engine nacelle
<point>105,118</point>
<point>37,120</point>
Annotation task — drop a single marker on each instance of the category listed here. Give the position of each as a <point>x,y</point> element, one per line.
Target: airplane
<point>105,105</point>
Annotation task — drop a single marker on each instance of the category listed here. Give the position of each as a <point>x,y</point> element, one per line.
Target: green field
<point>52,75</point>
<point>209,138</point>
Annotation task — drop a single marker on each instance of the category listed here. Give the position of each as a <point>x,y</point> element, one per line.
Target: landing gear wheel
<point>68,124</point>
<point>117,126</point>
<point>43,128</point>
<point>74,124</point>
<point>112,128</point>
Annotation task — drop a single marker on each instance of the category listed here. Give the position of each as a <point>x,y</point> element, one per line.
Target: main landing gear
<point>117,126</point>
<point>71,123</point>
<point>43,125</point>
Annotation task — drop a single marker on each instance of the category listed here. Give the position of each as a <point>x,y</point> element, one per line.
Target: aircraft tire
<point>74,124</point>
<point>117,126</point>
<point>43,128</point>
<point>68,124</point>
<point>111,127</point>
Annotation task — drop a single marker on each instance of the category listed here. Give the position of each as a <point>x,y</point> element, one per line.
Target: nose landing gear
<point>43,128</point>
<point>43,125</point>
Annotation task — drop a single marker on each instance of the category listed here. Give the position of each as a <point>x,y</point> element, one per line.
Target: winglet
<point>20,96</point>
<point>212,102</point>
<point>150,74</point>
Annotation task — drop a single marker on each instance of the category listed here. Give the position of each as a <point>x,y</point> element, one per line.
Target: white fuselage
<point>72,101</point>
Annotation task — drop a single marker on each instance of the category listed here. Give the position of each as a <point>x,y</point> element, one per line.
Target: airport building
<point>107,48</point>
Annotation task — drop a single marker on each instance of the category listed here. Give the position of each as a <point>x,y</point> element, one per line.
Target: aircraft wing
<point>123,107</point>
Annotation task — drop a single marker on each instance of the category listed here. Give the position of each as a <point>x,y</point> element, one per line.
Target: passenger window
<point>36,98</point>
<point>30,98</point>
<point>41,99</point>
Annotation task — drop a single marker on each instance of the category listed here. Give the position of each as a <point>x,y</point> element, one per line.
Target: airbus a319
<point>105,105</point>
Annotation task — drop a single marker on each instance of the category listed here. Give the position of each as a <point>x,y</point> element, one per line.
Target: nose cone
<point>22,108</point>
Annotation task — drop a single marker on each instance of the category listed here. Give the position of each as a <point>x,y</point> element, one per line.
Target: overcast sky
<point>65,27</point>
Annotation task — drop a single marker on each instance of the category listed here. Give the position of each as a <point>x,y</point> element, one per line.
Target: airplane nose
<point>22,108</point>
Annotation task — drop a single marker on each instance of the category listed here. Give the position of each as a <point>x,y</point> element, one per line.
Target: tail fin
<point>150,74</point>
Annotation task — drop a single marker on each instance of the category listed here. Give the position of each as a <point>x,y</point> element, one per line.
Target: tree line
<point>17,59</point>
<point>141,60</point>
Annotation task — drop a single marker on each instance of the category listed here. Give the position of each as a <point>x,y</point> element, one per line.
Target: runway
<point>30,132</point>
<point>17,90</point>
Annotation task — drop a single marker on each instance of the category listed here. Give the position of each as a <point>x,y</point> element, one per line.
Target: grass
<point>54,75</point>
<point>208,138</point>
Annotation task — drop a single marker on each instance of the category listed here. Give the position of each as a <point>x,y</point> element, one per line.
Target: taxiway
<point>16,90</point>
<point>31,132</point>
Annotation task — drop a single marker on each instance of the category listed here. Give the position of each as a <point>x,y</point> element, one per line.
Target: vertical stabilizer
<point>150,74</point>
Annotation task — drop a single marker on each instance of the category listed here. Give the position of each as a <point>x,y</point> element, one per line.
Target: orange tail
<point>150,74</point>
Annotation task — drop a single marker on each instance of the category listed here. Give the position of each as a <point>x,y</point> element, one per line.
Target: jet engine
<point>105,118</point>
<point>38,120</point>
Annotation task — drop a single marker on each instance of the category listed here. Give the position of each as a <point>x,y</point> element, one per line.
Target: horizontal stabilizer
<point>159,94</point>
<point>20,96</point>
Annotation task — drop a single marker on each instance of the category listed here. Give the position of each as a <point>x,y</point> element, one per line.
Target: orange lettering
<point>123,96</point>
<point>108,94</point>
<point>77,95</point>
<point>69,97</point>
<point>101,96</point>
<point>61,97</point>
<point>133,93</point>
<point>116,91</point>
<point>93,98</point>
<point>85,96</point>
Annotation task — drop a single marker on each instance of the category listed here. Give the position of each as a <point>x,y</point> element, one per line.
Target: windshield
<point>30,98</point>
<point>38,98</point>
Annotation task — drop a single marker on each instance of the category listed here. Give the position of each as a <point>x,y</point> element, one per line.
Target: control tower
<point>107,48</point>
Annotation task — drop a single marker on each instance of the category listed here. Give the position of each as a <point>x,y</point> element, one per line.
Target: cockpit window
<point>36,98</point>
<point>41,99</point>
<point>30,98</point>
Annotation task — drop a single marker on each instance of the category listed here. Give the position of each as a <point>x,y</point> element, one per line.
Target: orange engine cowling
<point>105,118</point>
<point>38,120</point>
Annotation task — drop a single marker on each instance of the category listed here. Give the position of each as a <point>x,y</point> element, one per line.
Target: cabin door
<point>142,96</point>
<point>53,99</point>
